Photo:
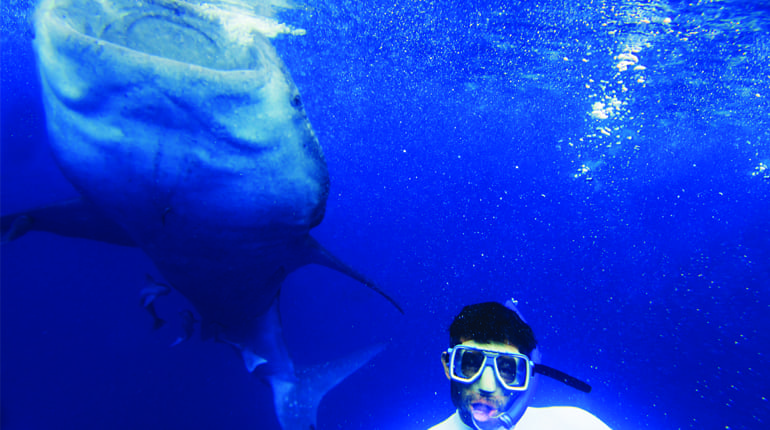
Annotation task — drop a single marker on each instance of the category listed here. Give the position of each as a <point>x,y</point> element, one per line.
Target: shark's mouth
<point>169,29</point>
<point>175,34</point>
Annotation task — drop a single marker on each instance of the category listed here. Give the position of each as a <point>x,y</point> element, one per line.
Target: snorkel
<point>514,413</point>
<point>493,363</point>
<point>505,416</point>
<point>509,418</point>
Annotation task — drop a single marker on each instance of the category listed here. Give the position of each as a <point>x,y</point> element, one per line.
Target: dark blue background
<point>453,133</point>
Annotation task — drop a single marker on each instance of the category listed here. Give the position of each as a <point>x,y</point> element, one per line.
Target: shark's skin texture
<point>203,155</point>
<point>190,142</point>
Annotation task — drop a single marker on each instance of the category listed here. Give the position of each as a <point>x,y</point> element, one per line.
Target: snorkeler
<point>491,365</point>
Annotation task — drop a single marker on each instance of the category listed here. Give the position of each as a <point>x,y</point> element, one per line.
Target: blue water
<point>468,162</point>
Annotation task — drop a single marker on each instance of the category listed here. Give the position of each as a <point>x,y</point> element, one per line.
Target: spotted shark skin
<point>189,141</point>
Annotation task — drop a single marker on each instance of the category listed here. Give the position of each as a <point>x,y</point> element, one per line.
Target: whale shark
<point>185,136</point>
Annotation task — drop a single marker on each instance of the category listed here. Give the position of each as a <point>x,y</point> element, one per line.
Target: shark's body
<point>189,141</point>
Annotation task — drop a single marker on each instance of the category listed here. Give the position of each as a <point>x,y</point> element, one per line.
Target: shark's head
<point>188,99</point>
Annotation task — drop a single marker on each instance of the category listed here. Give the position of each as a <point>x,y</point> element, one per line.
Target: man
<point>491,363</point>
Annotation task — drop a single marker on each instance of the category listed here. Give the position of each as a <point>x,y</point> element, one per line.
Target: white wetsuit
<point>551,418</point>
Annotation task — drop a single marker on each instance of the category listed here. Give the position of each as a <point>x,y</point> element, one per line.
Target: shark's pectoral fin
<point>319,255</point>
<point>296,401</point>
<point>71,218</point>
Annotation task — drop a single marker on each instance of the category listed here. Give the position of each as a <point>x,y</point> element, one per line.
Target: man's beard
<point>465,409</point>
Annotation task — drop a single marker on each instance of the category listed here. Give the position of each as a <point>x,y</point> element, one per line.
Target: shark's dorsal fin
<point>296,401</point>
<point>319,255</point>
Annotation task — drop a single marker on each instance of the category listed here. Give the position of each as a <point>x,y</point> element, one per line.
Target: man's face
<point>485,398</point>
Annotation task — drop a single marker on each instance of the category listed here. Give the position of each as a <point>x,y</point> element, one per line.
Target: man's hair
<point>492,322</point>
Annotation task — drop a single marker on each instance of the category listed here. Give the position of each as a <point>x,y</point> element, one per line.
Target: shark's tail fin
<point>296,401</point>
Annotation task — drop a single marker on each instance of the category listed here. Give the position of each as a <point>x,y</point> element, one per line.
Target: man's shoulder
<point>454,422</point>
<point>560,418</point>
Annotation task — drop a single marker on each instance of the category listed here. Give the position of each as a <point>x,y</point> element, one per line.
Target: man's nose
<point>487,382</point>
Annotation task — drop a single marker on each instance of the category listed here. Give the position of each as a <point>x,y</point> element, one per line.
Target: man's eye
<point>507,367</point>
<point>471,362</point>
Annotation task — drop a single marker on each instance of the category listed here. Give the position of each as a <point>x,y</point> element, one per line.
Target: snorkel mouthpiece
<point>510,417</point>
<point>506,421</point>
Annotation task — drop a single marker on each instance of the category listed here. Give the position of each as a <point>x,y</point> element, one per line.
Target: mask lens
<point>513,370</point>
<point>467,363</point>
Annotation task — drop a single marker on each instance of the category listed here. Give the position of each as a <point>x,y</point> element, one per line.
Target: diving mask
<point>467,363</point>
